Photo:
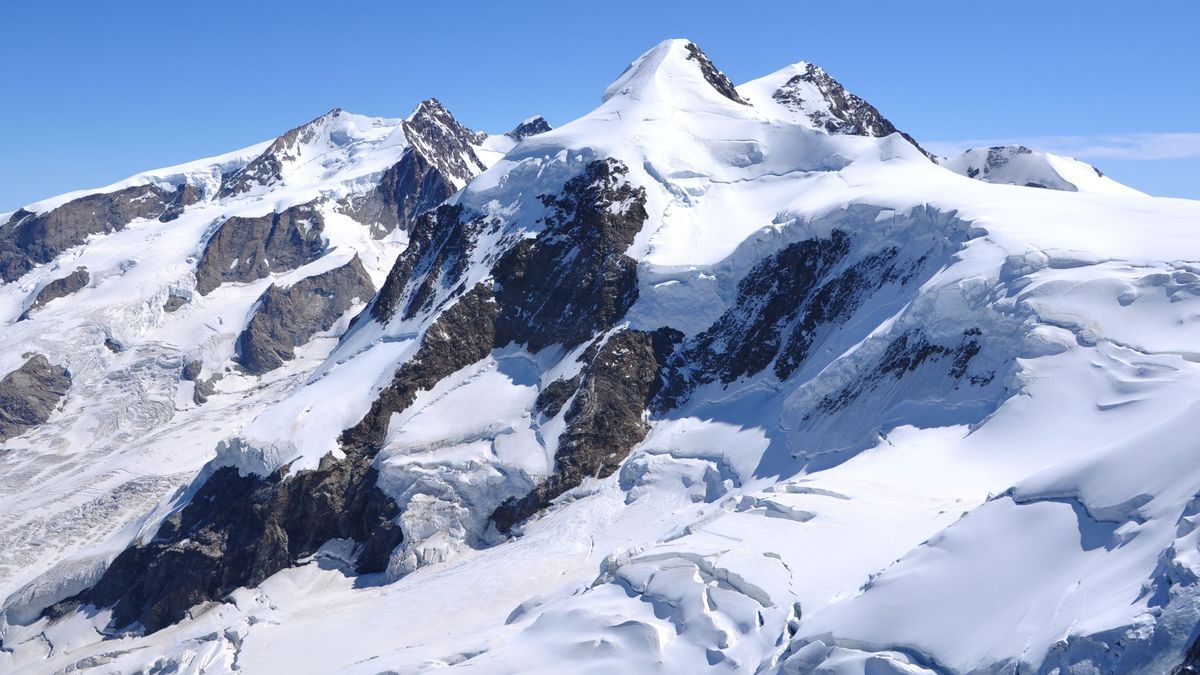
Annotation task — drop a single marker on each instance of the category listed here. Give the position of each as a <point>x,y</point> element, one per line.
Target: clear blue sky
<point>94,92</point>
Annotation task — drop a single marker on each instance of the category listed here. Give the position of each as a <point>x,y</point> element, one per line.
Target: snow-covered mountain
<point>711,378</point>
<point>1018,165</point>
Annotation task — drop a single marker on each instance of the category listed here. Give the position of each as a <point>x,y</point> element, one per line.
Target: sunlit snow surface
<point>919,530</point>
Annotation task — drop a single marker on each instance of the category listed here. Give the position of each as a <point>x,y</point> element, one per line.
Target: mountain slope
<point>149,336</point>
<point>712,377</point>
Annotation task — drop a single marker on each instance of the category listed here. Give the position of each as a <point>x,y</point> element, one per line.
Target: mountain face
<point>715,377</point>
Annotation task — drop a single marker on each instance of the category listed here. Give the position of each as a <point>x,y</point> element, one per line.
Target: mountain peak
<point>813,94</point>
<point>530,127</point>
<point>807,93</point>
<point>336,131</point>
<point>435,133</point>
<point>430,106</point>
<point>1019,165</point>
<point>670,67</point>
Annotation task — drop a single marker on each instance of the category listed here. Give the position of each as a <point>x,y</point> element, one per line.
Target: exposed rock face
<point>239,530</point>
<point>203,387</point>
<point>530,127</point>
<point>185,196</point>
<point>30,239</point>
<point>543,299</point>
<point>439,247</point>
<point>59,288</point>
<point>575,279</point>
<point>247,249</point>
<point>438,162</point>
<point>1000,155</point>
<point>462,335</point>
<point>408,188</point>
<point>784,304</point>
<point>605,420</point>
<point>715,77</point>
<point>287,317</point>
<point>555,395</point>
<point>434,133</point>
<point>29,394</point>
<point>562,287</point>
<point>749,336</point>
<point>908,352</point>
<point>839,111</point>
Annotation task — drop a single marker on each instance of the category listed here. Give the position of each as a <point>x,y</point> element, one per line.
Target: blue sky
<point>94,92</point>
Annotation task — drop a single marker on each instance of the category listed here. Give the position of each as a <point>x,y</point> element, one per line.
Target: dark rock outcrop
<point>185,195</point>
<point>846,114</point>
<point>248,249</point>
<point>605,420</point>
<point>557,288</point>
<point>997,156</point>
<point>29,394</point>
<point>203,388</point>
<point>59,288</point>
<point>439,248</point>
<point>908,352</point>
<point>785,305</point>
<point>713,76</point>
<point>407,189</point>
<point>237,531</point>
<point>555,395</point>
<point>463,334</point>
<point>838,298</point>
<point>573,280</point>
<point>530,127</point>
<point>174,302</point>
<point>286,317</point>
<point>748,336</point>
<point>562,287</point>
<point>30,239</point>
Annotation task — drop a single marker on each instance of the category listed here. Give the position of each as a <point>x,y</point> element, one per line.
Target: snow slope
<point>911,423</point>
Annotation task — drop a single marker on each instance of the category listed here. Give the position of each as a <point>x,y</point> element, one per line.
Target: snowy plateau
<point>713,378</point>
